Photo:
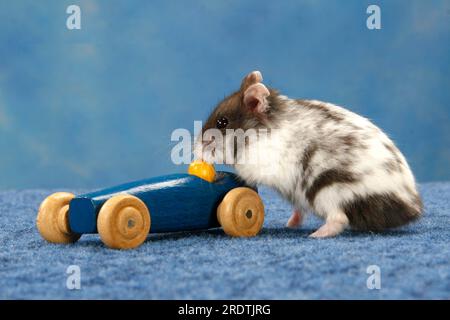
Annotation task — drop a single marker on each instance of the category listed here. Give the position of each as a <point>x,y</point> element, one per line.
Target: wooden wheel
<point>53,219</point>
<point>241,213</point>
<point>123,222</point>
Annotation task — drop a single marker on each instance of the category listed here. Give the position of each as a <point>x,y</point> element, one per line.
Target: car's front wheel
<point>241,213</point>
<point>53,219</point>
<point>123,222</point>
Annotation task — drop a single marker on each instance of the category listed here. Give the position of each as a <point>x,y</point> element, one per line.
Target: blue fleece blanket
<point>414,262</point>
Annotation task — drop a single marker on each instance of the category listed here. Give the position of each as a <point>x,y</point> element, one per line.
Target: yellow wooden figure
<point>202,170</point>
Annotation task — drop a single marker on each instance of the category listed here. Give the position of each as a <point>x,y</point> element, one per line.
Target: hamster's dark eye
<point>221,123</point>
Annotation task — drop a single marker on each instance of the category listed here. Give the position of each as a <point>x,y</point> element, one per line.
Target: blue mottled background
<point>96,106</point>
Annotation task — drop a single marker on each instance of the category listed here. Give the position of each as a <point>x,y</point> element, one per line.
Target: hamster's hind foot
<point>330,229</point>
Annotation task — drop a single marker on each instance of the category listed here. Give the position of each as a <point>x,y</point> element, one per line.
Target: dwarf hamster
<point>320,157</point>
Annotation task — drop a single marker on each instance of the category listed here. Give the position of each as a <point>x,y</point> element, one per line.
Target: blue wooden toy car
<point>124,215</point>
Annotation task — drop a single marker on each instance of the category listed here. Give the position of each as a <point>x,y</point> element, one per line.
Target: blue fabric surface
<point>277,264</point>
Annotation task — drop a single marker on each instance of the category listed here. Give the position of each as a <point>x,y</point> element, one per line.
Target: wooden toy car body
<point>178,202</point>
<point>125,214</point>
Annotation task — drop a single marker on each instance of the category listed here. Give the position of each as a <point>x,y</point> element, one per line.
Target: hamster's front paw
<point>295,220</point>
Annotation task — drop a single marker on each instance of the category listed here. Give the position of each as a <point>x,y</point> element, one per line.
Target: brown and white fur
<point>321,158</point>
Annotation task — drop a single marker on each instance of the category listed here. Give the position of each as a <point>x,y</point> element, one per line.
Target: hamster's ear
<point>255,98</point>
<point>252,78</point>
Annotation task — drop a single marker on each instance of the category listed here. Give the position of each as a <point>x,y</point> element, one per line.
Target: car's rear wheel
<point>53,219</point>
<point>123,222</point>
<point>241,213</point>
